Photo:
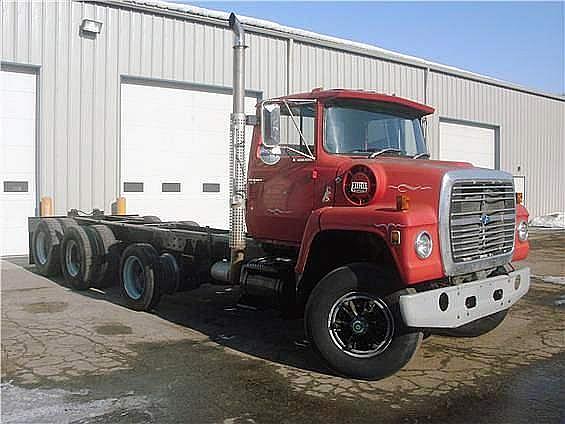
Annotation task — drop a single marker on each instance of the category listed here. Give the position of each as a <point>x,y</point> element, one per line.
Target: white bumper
<point>465,302</point>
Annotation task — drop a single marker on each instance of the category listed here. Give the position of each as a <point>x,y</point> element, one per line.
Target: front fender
<point>381,222</point>
<point>521,248</point>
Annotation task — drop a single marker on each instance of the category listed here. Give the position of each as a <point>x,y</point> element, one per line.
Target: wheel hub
<point>361,324</point>
<point>72,258</point>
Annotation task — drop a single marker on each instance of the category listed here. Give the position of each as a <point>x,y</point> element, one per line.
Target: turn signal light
<point>395,237</point>
<point>519,198</point>
<point>402,202</point>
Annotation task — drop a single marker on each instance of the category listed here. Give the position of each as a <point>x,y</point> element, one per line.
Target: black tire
<point>139,274</point>
<point>391,352</point>
<point>150,219</point>
<point>107,256</point>
<point>77,258</point>
<point>46,247</point>
<point>67,223</point>
<point>476,328</point>
<point>169,275</point>
<point>190,223</point>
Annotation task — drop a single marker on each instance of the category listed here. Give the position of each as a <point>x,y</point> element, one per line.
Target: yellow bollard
<point>46,206</point>
<point>121,206</point>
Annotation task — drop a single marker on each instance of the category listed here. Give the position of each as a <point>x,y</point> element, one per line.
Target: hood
<point>418,179</point>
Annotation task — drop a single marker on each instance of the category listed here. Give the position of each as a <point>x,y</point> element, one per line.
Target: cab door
<point>281,180</point>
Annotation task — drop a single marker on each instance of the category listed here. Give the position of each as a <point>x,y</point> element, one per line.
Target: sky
<point>519,42</point>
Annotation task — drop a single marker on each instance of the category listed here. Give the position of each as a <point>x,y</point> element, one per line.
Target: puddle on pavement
<point>113,329</point>
<point>45,307</point>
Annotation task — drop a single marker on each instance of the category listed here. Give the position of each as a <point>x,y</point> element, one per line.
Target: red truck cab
<point>324,178</point>
<point>344,177</point>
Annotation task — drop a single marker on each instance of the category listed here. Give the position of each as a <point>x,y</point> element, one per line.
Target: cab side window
<point>304,123</point>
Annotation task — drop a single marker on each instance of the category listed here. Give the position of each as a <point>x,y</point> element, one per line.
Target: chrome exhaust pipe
<point>237,153</point>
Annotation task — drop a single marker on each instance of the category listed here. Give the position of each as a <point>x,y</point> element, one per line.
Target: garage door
<point>459,142</point>
<point>17,160</point>
<point>175,153</point>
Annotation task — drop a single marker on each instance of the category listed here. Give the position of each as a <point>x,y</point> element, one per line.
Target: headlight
<point>522,231</point>
<point>423,245</point>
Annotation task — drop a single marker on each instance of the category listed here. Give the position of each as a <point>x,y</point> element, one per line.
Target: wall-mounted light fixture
<point>90,27</point>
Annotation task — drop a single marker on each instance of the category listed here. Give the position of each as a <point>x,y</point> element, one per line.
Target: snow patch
<point>553,279</point>
<point>23,405</point>
<point>552,220</point>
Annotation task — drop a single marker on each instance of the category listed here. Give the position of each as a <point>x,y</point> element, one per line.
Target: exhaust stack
<point>237,153</point>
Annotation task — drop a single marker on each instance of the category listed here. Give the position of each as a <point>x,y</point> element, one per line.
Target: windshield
<point>357,127</point>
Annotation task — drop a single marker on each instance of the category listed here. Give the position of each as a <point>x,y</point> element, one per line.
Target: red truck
<point>342,220</point>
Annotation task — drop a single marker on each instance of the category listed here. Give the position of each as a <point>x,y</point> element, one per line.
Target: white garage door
<point>459,142</point>
<point>175,153</point>
<point>17,160</point>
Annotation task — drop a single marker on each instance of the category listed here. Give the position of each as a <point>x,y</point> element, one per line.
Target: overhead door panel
<point>175,152</point>
<point>468,143</point>
<point>17,160</point>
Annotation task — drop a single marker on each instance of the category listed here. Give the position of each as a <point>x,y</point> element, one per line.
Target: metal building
<point>108,98</point>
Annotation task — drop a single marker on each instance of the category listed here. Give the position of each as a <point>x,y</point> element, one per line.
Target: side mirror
<point>271,124</point>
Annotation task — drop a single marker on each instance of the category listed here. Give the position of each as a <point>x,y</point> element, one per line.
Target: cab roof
<point>338,93</point>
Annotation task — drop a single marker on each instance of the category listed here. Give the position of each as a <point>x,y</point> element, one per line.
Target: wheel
<point>77,258</point>
<point>169,275</point>
<point>67,223</point>
<point>46,245</point>
<point>190,223</point>
<point>355,323</point>
<point>476,328</point>
<point>150,219</point>
<point>107,254</point>
<point>139,271</point>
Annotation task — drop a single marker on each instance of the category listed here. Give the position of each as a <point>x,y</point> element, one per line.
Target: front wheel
<point>356,325</point>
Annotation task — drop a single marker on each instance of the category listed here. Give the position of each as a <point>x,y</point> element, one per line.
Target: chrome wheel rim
<point>134,277</point>
<point>361,325</point>
<point>41,248</point>
<point>72,258</point>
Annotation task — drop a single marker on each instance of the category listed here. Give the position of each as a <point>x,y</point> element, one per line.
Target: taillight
<point>359,185</point>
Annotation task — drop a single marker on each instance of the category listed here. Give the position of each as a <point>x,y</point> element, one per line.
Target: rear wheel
<point>46,247</point>
<point>150,219</point>
<point>77,258</point>
<point>356,325</point>
<point>108,255</point>
<point>139,271</point>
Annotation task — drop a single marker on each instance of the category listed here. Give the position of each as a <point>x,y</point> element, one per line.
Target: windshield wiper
<point>386,150</point>
<point>421,155</point>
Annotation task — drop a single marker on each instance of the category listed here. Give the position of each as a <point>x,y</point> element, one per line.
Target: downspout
<point>237,153</point>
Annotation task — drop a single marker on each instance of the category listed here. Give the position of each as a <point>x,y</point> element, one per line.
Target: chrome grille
<point>481,219</point>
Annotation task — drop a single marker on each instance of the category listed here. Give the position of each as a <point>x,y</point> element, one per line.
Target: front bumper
<point>465,302</point>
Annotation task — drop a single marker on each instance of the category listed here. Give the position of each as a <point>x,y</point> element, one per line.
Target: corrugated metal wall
<point>80,80</point>
<point>531,132</point>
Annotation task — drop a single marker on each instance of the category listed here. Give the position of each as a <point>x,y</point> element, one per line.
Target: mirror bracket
<point>251,120</point>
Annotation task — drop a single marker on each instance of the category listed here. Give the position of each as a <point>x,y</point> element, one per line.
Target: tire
<point>190,223</point>
<point>370,356</point>
<point>150,219</point>
<point>107,254</point>
<point>476,328</point>
<point>169,275</point>
<point>139,274</point>
<point>46,247</point>
<point>77,258</point>
<point>67,223</point>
